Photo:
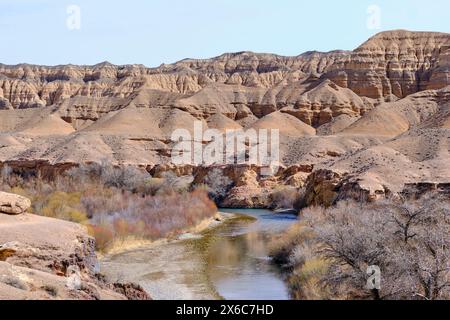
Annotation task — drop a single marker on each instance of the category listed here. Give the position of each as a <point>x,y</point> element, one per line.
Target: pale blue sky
<point>152,32</point>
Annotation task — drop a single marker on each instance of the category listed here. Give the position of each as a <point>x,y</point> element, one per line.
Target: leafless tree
<point>218,184</point>
<point>408,240</point>
<point>5,174</point>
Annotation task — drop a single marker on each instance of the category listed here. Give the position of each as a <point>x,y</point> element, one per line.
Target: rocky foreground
<point>365,123</point>
<point>44,258</point>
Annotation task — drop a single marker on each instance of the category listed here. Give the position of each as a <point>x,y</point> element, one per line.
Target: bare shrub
<point>104,236</point>
<point>409,241</point>
<point>118,203</point>
<point>170,183</point>
<point>51,290</point>
<point>149,217</point>
<point>121,177</point>
<point>5,174</point>
<point>296,251</point>
<point>285,197</point>
<point>152,186</point>
<point>14,282</point>
<point>129,178</point>
<point>218,184</point>
<point>61,205</point>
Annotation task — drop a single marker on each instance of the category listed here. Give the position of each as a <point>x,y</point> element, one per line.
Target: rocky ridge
<point>377,116</point>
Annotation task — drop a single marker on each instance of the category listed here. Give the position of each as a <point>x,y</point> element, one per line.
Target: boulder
<point>13,204</point>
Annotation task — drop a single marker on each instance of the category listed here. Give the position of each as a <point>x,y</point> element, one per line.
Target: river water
<point>239,266</point>
<point>229,261</point>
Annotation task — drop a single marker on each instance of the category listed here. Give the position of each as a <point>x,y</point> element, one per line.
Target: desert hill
<point>376,117</point>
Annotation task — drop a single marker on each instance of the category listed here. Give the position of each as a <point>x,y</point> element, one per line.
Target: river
<point>229,261</point>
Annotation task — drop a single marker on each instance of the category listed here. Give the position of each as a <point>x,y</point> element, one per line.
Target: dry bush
<point>154,217</point>
<point>104,236</point>
<point>296,251</point>
<point>282,245</point>
<point>170,183</point>
<point>50,289</point>
<point>61,205</point>
<point>15,282</point>
<point>285,197</point>
<point>218,184</point>
<point>5,174</point>
<point>152,186</point>
<point>408,240</point>
<point>121,177</point>
<point>117,203</point>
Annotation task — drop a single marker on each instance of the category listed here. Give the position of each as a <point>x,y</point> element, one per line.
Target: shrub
<point>104,236</point>
<point>5,174</point>
<point>61,205</point>
<point>51,290</point>
<point>157,216</point>
<point>285,197</point>
<point>14,282</point>
<point>121,177</point>
<point>118,203</point>
<point>408,240</point>
<point>218,184</point>
<point>152,186</point>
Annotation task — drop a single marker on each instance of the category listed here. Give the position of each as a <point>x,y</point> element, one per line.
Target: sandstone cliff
<point>375,112</point>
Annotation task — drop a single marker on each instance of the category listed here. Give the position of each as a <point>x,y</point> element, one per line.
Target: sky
<point>152,32</point>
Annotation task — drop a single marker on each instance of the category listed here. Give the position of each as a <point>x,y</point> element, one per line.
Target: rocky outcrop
<point>415,190</point>
<point>44,258</point>
<point>326,102</point>
<point>249,187</point>
<point>13,204</point>
<point>325,187</point>
<point>131,291</point>
<point>395,62</point>
<point>42,168</point>
<point>322,188</point>
<point>379,113</point>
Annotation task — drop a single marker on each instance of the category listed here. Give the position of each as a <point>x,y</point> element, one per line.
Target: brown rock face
<point>13,203</point>
<point>380,113</point>
<point>131,291</point>
<point>39,256</point>
<point>395,62</point>
<point>322,188</point>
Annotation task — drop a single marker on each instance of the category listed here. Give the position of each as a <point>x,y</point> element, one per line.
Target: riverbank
<point>168,269</point>
<point>226,260</point>
<point>135,243</point>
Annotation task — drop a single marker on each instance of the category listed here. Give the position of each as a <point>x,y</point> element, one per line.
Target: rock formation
<point>378,113</point>
<point>13,204</point>
<point>44,258</point>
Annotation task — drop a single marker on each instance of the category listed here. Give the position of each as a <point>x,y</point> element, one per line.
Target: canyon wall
<point>377,115</point>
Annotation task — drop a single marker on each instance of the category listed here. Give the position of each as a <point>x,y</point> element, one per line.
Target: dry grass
<point>117,205</point>
<point>150,217</point>
<point>295,250</point>
<point>327,254</point>
<point>285,197</point>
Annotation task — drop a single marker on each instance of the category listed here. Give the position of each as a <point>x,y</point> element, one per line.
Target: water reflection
<point>238,262</point>
<point>233,257</point>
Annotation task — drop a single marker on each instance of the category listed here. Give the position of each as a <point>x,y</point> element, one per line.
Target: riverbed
<point>229,261</point>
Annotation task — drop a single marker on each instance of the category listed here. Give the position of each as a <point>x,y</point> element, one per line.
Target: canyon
<point>368,123</point>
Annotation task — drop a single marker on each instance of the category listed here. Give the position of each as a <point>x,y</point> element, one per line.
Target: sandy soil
<point>33,253</point>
